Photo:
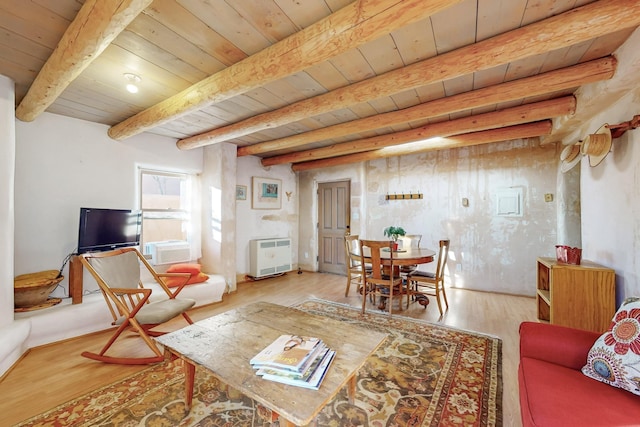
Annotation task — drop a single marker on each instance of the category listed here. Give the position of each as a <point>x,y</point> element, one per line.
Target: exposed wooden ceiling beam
<point>566,29</point>
<point>528,130</point>
<point>351,26</point>
<point>549,82</point>
<point>96,25</point>
<point>496,119</point>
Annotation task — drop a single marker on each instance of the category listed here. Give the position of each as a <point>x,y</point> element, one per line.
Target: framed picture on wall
<point>266,193</point>
<point>241,192</point>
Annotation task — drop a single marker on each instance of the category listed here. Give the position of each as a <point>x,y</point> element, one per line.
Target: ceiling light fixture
<point>132,80</point>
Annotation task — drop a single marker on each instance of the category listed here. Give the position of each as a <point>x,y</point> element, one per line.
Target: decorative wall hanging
<point>403,196</point>
<point>618,130</point>
<point>241,192</point>
<point>266,193</point>
<point>597,145</point>
<point>570,156</point>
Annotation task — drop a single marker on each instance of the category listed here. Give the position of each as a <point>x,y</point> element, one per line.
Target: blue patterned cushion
<point>614,359</point>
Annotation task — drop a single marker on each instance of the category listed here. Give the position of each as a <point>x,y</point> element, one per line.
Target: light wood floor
<point>53,374</point>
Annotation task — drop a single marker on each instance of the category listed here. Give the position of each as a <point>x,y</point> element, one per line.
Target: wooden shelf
<point>578,296</point>
<point>545,295</point>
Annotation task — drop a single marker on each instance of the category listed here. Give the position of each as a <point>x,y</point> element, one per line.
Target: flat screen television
<point>107,229</point>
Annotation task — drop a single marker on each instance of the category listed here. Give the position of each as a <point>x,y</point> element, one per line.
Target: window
<point>165,200</point>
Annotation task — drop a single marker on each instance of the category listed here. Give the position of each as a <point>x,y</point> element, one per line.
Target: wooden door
<point>333,221</point>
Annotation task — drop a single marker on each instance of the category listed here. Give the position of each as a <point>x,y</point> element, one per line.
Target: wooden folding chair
<point>118,275</point>
<point>382,281</point>
<point>422,283</point>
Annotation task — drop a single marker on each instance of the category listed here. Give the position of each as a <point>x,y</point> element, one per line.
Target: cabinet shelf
<point>577,296</point>
<point>545,296</point>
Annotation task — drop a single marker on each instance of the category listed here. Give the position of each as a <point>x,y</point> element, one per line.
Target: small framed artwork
<point>266,193</point>
<point>241,192</point>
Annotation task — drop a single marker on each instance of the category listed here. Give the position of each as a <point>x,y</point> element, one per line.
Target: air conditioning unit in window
<point>168,252</point>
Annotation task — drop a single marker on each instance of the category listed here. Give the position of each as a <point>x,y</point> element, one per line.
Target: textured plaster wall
<point>610,192</point>
<point>7,171</point>
<point>611,203</point>
<point>63,164</point>
<point>488,252</point>
<point>308,181</point>
<point>219,212</point>
<point>265,223</point>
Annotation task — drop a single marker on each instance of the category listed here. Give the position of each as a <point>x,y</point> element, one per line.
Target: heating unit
<point>269,257</point>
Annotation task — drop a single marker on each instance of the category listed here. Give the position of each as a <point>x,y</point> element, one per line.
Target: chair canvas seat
<point>161,311</point>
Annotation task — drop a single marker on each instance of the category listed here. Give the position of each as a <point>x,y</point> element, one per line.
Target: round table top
<point>407,256</point>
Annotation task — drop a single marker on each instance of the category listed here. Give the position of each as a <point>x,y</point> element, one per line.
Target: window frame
<point>182,215</point>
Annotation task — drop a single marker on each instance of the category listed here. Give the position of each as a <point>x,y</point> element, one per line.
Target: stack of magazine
<point>294,360</point>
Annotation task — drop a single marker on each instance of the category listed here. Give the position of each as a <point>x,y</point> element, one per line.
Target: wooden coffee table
<point>225,343</point>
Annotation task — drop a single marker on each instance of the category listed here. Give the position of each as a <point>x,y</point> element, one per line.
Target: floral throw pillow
<point>615,357</point>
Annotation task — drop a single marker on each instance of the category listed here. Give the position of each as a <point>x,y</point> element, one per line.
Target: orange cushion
<point>192,269</point>
<point>173,282</point>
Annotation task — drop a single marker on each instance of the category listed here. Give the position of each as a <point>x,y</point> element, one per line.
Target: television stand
<point>76,270</point>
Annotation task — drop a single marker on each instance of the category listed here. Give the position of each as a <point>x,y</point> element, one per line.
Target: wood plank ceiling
<point>314,82</point>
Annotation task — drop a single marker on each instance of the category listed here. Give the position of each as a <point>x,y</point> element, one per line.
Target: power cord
<point>66,260</point>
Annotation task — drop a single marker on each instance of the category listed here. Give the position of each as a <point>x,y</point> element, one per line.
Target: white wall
<point>488,252</point>
<point>265,223</point>
<point>611,190</point>
<point>219,213</point>
<point>7,170</point>
<point>63,164</point>
<point>611,219</point>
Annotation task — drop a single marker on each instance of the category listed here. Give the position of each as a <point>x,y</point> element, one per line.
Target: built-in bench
<point>67,320</point>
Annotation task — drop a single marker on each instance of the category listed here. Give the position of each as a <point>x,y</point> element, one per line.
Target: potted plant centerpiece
<point>393,233</point>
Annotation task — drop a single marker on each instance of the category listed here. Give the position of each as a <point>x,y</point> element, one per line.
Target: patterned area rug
<point>423,375</point>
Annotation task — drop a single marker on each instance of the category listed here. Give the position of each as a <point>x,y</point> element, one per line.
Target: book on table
<point>294,360</point>
<point>289,352</point>
<point>311,379</point>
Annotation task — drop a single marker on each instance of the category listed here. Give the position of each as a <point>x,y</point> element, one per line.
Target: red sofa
<point>553,390</point>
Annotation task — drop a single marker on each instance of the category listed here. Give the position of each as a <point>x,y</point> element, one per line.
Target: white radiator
<point>168,252</point>
<point>269,256</point>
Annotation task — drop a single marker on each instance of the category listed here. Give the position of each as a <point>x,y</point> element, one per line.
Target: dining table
<point>409,256</point>
<point>401,257</point>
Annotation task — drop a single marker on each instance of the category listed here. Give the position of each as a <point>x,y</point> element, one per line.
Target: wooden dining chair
<point>410,241</point>
<point>381,282</point>
<point>118,275</point>
<point>421,283</point>
<point>353,261</point>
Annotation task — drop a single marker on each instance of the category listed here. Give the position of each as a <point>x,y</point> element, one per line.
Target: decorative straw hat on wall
<point>570,156</point>
<point>597,145</point>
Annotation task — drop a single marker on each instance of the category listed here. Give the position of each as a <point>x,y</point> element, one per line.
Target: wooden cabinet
<point>579,296</point>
